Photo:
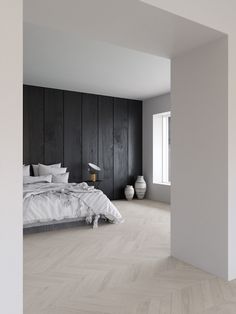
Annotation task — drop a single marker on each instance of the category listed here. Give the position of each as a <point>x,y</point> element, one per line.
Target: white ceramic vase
<point>129,192</point>
<point>140,187</point>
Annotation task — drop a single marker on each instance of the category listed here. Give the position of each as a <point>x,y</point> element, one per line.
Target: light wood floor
<point>118,269</point>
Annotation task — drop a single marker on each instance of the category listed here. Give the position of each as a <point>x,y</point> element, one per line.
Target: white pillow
<point>26,171</point>
<point>31,179</point>
<point>45,170</point>
<point>36,168</point>
<point>60,178</point>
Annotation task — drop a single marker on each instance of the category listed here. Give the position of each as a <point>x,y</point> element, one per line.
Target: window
<point>161,148</point>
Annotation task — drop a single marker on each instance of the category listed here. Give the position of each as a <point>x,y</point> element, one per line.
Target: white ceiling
<point>69,61</point>
<point>106,47</point>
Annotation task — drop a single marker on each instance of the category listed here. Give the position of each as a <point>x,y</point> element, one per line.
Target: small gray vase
<point>129,192</point>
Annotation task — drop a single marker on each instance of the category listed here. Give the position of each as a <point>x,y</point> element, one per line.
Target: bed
<point>48,206</point>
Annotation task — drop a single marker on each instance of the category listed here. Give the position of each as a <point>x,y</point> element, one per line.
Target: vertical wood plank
<point>53,126</point>
<point>33,104</point>
<point>106,153</point>
<point>134,140</point>
<point>26,126</point>
<point>120,147</point>
<point>89,132</point>
<point>73,135</point>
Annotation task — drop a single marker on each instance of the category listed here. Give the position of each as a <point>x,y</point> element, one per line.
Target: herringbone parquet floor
<point>118,269</point>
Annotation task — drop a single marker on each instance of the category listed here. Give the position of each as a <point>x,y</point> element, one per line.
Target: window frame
<point>161,148</point>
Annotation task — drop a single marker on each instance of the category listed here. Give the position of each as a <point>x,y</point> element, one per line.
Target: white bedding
<point>44,202</point>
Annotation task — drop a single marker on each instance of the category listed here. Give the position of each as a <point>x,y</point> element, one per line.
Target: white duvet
<point>44,202</point>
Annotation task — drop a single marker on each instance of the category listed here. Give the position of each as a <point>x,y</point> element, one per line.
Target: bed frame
<point>57,225</point>
<point>52,225</point>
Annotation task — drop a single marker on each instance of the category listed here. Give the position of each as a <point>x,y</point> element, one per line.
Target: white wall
<point>219,15</point>
<point>199,195</point>
<point>11,157</point>
<point>156,192</point>
<point>232,158</point>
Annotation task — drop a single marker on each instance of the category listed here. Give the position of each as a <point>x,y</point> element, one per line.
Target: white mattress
<point>51,202</point>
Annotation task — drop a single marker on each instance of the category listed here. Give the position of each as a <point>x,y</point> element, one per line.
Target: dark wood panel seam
<point>128,139</point>
<point>113,103</point>
<point>82,125</point>
<point>81,135</point>
<point>44,126</point>
<point>63,127</point>
<point>98,124</point>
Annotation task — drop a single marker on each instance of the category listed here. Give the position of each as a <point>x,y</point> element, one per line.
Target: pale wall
<point>155,192</point>
<point>11,157</point>
<point>219,15</point>
<point>199,195</point>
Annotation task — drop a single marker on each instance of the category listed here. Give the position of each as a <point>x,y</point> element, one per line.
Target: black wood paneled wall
<point>77,128</point>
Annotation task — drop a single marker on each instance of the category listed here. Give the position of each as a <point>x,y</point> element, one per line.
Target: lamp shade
<point>94,167</point>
